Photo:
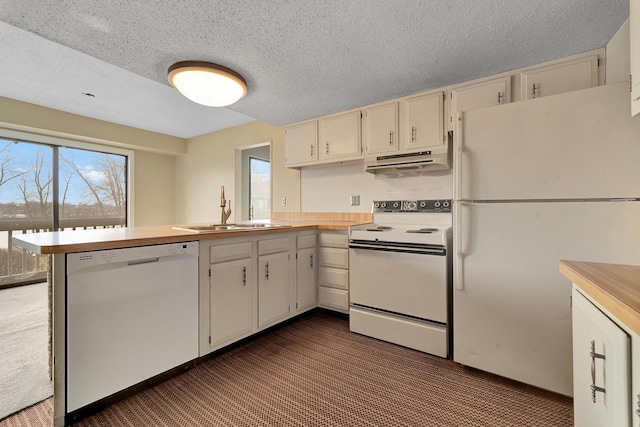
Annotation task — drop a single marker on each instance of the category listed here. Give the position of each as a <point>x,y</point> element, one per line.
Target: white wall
<point>210,162</point>
<point>329,189</point>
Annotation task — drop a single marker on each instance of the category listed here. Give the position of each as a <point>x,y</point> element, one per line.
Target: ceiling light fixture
<point>206,83</point>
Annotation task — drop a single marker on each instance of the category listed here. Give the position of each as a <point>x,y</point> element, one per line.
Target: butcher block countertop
<point>614,286</point>
<point>114,238</point>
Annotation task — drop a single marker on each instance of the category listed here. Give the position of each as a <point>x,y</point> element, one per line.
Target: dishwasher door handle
<point>143,261</point>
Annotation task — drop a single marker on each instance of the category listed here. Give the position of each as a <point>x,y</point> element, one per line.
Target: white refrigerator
<point>536,182</point>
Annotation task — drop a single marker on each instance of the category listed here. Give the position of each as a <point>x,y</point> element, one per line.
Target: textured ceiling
<point>301,59</point>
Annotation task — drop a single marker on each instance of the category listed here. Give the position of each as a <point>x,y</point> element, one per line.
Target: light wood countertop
<point>58,242</point>
<point>614,286</point>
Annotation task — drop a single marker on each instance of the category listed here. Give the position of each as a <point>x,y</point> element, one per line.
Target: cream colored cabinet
<point>381,129</point>
<point>634,31</point>
<point>333,275</point>
<point>306,272</point>
<point>559,77</point>
<point>601,367</point>
<point>423,122</point>
<point>273,280</point>
<point>231,285</point>
<point>479,95</point>
<point>301,144</point>
<point>340,137</point>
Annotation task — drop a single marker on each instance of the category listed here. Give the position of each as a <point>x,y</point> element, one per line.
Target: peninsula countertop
<point>57,242</point>
<point>614,286</point>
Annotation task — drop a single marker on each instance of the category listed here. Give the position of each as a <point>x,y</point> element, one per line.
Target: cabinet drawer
<point>333,278</point>
<point>333,298</point>
<point>230,252</point>
<point>272,246</point>
<point>306,241</point>
<point>334,257</point>
<point>334,240</point>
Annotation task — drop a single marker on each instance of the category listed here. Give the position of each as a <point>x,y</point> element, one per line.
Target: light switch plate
<point>355,200</point>
<point>283,201</point>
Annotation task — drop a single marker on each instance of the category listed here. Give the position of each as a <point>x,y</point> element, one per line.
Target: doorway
<point>255,182</point>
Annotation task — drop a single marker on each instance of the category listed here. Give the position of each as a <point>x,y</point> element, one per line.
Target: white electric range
<point>400,273</point>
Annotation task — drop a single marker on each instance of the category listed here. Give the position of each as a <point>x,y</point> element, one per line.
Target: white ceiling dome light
<point>207,83</point>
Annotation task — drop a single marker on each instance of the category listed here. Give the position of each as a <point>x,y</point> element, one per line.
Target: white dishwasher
<point>131,314</point>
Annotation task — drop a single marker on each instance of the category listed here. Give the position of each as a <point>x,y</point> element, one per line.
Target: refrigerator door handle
<point>458,276</point>
<point>457,160</point>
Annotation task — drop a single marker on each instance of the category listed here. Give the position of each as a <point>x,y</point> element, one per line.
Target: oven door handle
<point>401,249</point>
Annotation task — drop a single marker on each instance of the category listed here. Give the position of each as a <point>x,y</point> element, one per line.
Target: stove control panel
<point>422,206</point>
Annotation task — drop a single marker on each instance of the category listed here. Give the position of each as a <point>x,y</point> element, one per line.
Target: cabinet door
<point>424,121</point>
<point>634,29</point>
<point>307,272</point>
<point>340,136</point>
<point>273,288</point>
<point>381,128</point>
<point>562,77</point>
<point>230,299</point>
<point>301,144</point>
<point>601,358</point>
<point>480,95</point>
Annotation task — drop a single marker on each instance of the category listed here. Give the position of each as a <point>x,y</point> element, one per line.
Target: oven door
<point>399,281</point>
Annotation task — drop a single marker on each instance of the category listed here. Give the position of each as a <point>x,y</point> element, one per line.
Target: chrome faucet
<point>223,204</point>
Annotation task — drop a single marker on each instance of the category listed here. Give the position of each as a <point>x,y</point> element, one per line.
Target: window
<point>46,187</point>
<point>259,188</point>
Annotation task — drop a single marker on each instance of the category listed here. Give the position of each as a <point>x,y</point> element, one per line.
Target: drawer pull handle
<point>244,276</point>
<point>594,356</point>
<point>267,270</point>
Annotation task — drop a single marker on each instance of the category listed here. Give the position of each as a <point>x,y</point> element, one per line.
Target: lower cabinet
<point>249,284</point>
<point>333,274</point>
<point>273,288</point>
<point>601,367</point>
<point>230,299</point>
<point>306,272</point>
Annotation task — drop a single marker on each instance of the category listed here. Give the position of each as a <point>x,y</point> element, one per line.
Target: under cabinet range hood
<point>415,163</point>
<point>410,163</point>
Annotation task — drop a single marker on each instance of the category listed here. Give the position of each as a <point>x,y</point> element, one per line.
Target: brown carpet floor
<point>314,372</point>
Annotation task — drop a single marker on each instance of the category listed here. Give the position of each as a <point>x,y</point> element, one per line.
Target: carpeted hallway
<point>314,372</point>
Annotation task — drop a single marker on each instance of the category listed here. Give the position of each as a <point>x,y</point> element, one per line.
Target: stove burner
<point>380,228</point>
<point>424,230</point>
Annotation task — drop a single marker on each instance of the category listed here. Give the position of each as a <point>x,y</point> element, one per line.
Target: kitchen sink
<point>227,227</point>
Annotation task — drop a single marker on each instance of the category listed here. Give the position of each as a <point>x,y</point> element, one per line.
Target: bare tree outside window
<point>7,170</point>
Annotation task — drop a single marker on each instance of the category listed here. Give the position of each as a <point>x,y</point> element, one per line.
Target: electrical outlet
<point>283,201</point>
<point>355,200</point>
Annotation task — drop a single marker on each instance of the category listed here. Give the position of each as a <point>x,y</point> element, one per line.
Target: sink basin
<point>227,227</point>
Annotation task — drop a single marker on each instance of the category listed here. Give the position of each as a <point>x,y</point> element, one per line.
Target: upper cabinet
<point>634,31</point>
<point>418,122</point>
<point>479,95</point>
<point>560,77</point>
<point>340,136</point>
<point>301,144</point>
<point>424,121</point>
<point>381,128</point>
<point>408,125</point>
